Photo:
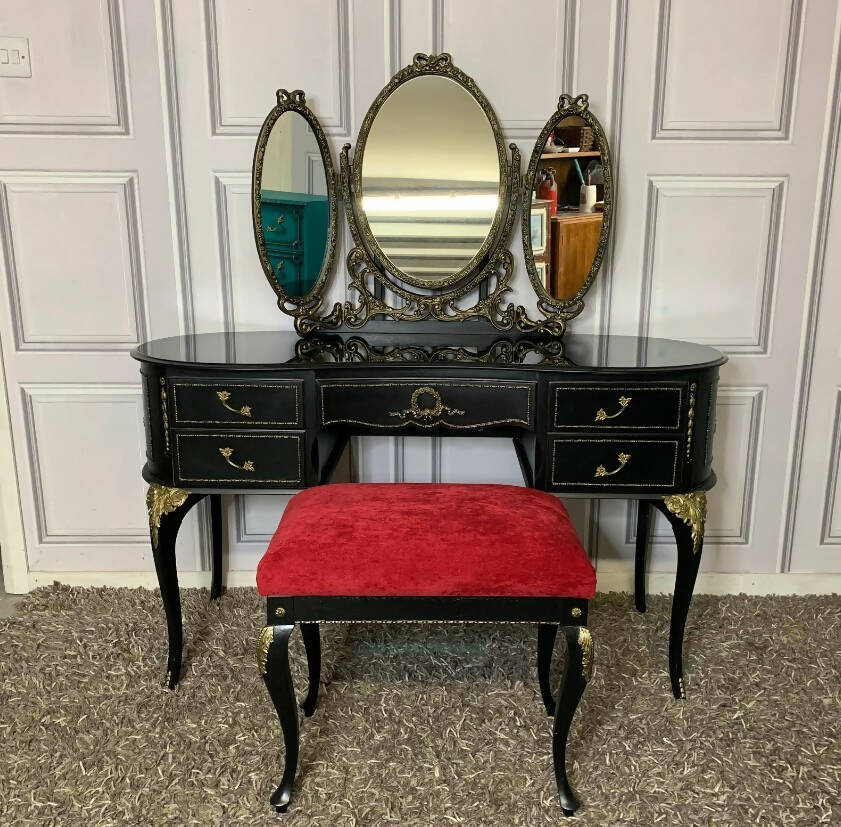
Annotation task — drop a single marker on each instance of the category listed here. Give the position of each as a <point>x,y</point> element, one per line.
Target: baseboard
<point>618,580</point>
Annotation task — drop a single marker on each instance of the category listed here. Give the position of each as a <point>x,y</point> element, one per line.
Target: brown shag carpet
<point>417,725</point>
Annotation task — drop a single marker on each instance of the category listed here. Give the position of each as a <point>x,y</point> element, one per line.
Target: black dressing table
<point>588,416</point>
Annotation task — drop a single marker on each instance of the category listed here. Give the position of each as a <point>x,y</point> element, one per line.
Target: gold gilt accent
<point>161,500</point>
<point>264,640</point>
<point>601,471</point>
<point>280,611</point>
<point>224,396</point>
<point>585,641</point>
<point>576,612</point>
<point>691,419</point>
<point>692,509</point>
<point>165,416</point>
<point>601,414</point>
<point>682,689</point>
<point>417,412</point>
<point>248,465</point>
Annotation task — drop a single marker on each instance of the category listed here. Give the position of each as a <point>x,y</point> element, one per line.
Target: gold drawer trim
<point>294,385</point>
<point>230,436</point>
<point>671,484</point>
<point>601,423</point>
<point>441,385</point>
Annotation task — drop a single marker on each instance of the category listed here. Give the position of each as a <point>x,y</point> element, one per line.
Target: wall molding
<point>117,393</point>
<point>120,124</point>
<point>816,269</point>
<point>223,183</point>
<point>337,125</point>
<point>777,189</point>
<point>828,537</point>
<point>123,183</point>
<point>780,130</point>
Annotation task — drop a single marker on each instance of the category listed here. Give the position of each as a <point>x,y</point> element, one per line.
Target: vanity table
<point>262,412</point>
<point>427,340</point>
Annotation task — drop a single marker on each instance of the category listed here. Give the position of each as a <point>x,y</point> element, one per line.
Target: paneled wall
<point>124,211</point>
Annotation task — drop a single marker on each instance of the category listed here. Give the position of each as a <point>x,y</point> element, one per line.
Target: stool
<point>362,552</point>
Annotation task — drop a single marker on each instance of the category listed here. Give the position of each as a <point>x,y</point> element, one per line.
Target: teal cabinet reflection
<point>295,232</point>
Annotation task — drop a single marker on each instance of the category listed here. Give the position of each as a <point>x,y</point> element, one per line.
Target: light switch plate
<point>14,57</point>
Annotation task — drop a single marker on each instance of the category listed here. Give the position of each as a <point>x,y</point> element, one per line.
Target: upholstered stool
<point>416,552</point>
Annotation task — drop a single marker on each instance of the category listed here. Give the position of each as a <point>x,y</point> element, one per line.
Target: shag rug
<point>418,724</point>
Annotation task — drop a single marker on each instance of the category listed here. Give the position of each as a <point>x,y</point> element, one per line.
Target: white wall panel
<point>726,70</point>
<point>832,510</point>
<point>84,38</point>
<point>246,58</point>
<point>54,219</point>
<point>712,260</point>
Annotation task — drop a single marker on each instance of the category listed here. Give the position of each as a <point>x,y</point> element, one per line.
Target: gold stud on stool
<point>280,611</point>
<point>576,612</point>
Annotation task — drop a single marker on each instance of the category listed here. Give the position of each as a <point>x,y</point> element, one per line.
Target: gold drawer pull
<point>279,266</point>
<point>248,465</point>
<point>417,412</point>
<point>601,414</point>
<point>601,471</point>
<point>224,396</point>
<point>272,229</point>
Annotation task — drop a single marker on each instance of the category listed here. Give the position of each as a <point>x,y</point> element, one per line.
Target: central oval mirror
<point>431,185</point>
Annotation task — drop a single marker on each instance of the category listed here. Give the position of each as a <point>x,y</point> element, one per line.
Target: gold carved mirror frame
<point>479,290</point>
<point>559,311</point>
<point>306,309</point>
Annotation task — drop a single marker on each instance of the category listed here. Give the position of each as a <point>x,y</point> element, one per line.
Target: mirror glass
<point>567,208</point>
<point>294,209</point>
<point>430,180</point>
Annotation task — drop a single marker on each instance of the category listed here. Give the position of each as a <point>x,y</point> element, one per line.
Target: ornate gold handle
<point>601,414</point>
<point>601,471</point>
<point>416,411</point>
<point>224,396</point>
<point>248,465</point>
<point>272,229</point>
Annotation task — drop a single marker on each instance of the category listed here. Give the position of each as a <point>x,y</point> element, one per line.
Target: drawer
<point>615,463</point>
<point>426,403</point>
<point>616,405</point>
<point>238,458</point>
<point>281,223</point>
<point>269,404</point>
<point>288,269</point>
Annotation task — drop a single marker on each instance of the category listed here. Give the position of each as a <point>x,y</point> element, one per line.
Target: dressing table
<point>426,345</point>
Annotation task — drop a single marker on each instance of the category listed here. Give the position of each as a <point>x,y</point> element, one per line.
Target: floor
<point>417,725</point>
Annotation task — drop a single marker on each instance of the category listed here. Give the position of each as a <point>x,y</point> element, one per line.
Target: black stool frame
<point>550,613</point>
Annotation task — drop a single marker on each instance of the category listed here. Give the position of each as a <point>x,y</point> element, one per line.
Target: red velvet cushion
<point>411,540</point>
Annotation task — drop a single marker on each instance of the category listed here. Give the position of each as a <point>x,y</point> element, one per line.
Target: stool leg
<point>546,634</point>
<point>273,660</point>
<point>312,643</point>
<point>577,672</point>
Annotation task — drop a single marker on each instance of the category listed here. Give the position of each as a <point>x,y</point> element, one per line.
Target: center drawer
<point>609,405</point>
<point>268,404</point>
<point>427,403</point>
<point>271,460</point>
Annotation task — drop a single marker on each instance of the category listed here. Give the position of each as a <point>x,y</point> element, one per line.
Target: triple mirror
<point>430,194</point>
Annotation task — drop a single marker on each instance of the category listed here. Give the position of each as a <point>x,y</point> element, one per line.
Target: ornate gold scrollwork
<point>601,414</point>
<point>601,471</point>
<point>585,641</point>
<point>692,509</point>
<point>690,419</point>
<point>165,415</point>
<point>424,414</point>
<point>224,396</point>
<point>264,641</point>
<point>248,465</point>
<point>161,500</point>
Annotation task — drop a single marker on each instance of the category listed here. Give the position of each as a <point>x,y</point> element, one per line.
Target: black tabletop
<point>258,350</point>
